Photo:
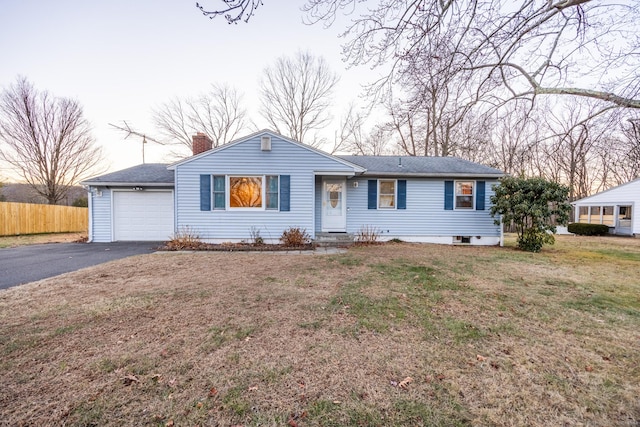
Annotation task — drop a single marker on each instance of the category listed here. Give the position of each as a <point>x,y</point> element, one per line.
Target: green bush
<point>530,204</point>
<point>588,229</point>
<point>532,240</point>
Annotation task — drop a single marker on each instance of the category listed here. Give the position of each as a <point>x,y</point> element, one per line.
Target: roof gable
<point>267,132</point>
<point>627,186</point>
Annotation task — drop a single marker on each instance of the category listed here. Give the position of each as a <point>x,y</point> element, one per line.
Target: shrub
<point>185,239</point>
<point>367,234</point>
<point>531,204</point>
<point>588,229</point>
<point>295,237</point>
<point>256,239</point>
<point>532,240</point>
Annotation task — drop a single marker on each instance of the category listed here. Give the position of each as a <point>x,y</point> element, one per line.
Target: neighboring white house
<point>268,183</point>
<point>617,207</point>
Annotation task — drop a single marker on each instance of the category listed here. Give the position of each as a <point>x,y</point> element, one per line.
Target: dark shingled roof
<point>148,173</point>
<point>422,166</point>
<point>157,173</point>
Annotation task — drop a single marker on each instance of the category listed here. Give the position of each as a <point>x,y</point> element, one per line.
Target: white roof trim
<point>127,184</point>
<point>334,173</point>
<point>356,168</point>
<point>604,191</point>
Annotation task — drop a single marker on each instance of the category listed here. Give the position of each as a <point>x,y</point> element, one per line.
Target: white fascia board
<point>129,184</point>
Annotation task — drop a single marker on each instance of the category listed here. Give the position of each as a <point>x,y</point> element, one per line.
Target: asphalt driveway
<point>26,264</point>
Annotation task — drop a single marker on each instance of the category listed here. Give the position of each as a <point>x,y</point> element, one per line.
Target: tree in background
<point>511,50</point>
<point>533,205</point>
<point>46,139</point>
<point>218,113</point>
<point>296,95</point>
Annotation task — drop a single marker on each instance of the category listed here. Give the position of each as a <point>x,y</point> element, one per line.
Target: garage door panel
<point>142,215</point>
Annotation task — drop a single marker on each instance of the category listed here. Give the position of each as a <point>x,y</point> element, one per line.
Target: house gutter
<point>128,184</point>
<point>431,175</point>
<point>90,211</point>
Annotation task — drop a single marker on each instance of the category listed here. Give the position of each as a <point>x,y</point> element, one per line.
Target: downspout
<point>501,232</point>
<point>90,213</point>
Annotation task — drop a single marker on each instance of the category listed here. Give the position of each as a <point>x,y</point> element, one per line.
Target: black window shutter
<point>402,194</point>
<point>372,193</point>
<point>479,195</point>
<point>205,192</point>
<point>448,195</point>
<point>285,193</point>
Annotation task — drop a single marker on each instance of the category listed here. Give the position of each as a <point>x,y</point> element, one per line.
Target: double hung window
<point>387,194</point>
<point>464,194</point>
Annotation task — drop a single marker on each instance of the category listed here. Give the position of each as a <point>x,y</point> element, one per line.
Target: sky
<point>122,58</point>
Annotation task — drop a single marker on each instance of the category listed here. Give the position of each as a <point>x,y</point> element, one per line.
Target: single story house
<point>268,183</point>
<point>617,207</point>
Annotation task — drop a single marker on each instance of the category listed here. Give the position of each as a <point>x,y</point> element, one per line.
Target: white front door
<point>334,205</point>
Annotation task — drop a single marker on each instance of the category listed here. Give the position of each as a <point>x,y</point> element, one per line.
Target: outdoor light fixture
<point>137,188</point>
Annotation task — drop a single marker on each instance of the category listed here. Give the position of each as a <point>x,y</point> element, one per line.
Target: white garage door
<point>142,215</point>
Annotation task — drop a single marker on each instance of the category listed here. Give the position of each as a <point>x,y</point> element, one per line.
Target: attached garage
<point>134,204</point>
<point>142,215</point>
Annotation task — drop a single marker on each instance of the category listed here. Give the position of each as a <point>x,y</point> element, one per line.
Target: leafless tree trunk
<point>515,132</point>
<point>218,113</point>
<point>576,146</point>
<point>46,139</point>
<point>296,94</point>
<point>625,152</point>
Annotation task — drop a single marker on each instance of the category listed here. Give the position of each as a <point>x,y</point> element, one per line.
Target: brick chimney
<point>201,143</point>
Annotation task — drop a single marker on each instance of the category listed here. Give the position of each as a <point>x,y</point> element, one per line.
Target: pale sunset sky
<point>122,58</point>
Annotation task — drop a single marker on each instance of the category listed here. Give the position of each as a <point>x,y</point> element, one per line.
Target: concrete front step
<point>334,239</point>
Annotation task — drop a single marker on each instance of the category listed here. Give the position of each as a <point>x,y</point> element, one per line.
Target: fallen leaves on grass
<point>405,383</point>
<point>130,379</point>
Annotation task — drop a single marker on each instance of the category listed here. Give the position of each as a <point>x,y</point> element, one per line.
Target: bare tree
<point>233,10</point>
<point>218,113</point>
<point>46,139</point>
<point>532,47</point>
<point>296,94</point>
<point>515,135</point>
<point>625,151</point>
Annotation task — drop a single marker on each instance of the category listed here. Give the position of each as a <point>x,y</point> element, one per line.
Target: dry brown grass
<point>490,336</point>
<point>34,239</point>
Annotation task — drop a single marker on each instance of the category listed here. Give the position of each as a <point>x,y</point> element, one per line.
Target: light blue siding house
<point>268,183</point>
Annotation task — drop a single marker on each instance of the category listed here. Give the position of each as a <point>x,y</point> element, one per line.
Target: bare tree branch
<point>580,48</point>
<point>218,113</point>
<point>296,94</point>
<point>233,10</point>
<point>46,139</point>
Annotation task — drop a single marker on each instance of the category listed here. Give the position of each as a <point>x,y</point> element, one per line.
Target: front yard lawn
<point>389,335</point>
<point>36,239</point>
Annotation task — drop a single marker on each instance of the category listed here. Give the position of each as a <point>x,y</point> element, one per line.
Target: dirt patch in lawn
<point>387,335</point>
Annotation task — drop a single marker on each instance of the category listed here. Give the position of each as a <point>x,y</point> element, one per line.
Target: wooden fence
<point>30,218</point>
